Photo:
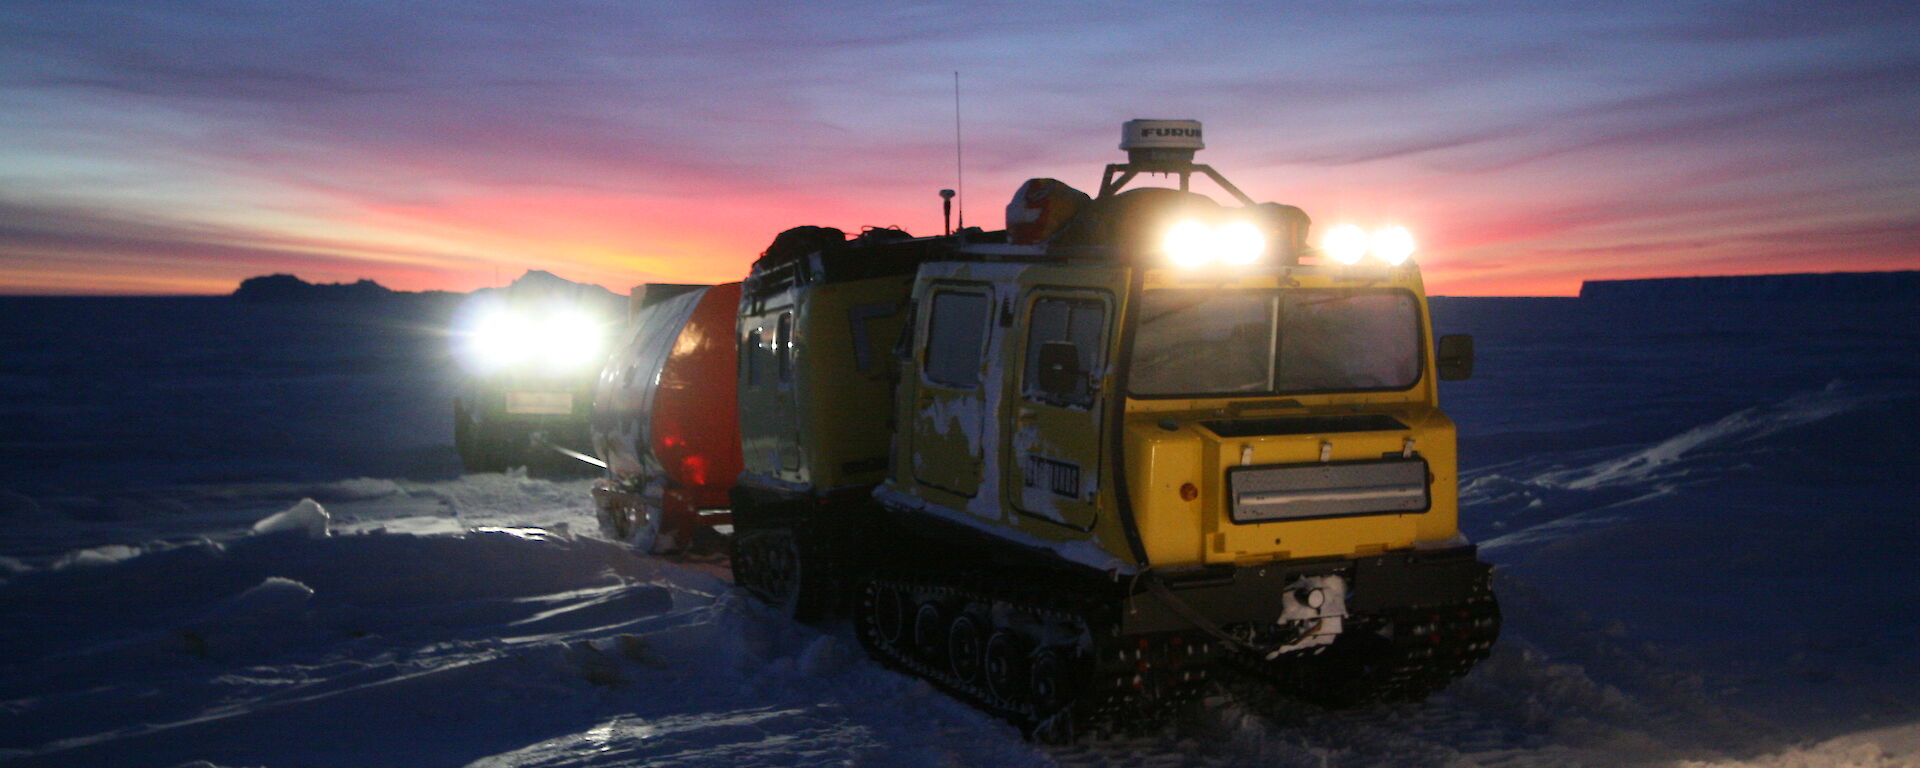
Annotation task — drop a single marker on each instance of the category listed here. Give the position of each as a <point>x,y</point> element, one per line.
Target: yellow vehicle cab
<point>1140,440</point>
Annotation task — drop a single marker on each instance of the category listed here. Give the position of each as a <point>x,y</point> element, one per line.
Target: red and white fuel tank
<point>665,417</point>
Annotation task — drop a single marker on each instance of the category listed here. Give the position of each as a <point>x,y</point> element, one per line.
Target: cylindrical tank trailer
<point>665,419</point>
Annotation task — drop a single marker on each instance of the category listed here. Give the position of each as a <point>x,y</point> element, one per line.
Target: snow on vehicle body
<point>1072,471</point>
<point>665,418</point>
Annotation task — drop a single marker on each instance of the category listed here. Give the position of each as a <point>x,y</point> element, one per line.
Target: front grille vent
<point>1272,493</point>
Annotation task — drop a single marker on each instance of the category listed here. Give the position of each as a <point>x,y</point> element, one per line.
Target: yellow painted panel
<point>1344,536</point>
<point>1159,461</point>
<point>846,437</point>
<point>1437,443</point>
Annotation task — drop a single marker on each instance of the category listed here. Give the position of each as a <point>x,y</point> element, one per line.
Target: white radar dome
<point>1161,134</point>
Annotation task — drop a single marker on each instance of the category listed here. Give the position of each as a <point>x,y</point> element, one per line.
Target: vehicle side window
<point>1078,321</point>
<point>869,347</point>
<point>750,354</point>
<point>956,332</point>
<point>783,346</point>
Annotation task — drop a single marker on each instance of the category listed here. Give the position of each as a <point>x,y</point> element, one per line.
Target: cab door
<point>1058,414</point>
<point>769,410</point>
<point>949,410</point>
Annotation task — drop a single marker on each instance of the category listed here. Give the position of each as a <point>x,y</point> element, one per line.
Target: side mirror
<point>1060,375</point>
<point>1455,357</point>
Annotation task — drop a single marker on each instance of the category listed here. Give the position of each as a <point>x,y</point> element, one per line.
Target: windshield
<point>1191,343</point>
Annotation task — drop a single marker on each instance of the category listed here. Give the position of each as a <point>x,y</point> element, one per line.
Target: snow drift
<point>1702,516</point>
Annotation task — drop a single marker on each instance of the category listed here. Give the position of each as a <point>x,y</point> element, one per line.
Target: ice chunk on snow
<point>97,556</point>
<point>275,598</point>
<point>1880,748</point>
<point>267,615</point>
<point>305,517</point>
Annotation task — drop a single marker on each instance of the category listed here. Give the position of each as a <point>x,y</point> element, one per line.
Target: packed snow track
<point>1703,534</point>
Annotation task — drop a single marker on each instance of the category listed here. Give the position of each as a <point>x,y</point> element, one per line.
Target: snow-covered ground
<point>1705,523</point>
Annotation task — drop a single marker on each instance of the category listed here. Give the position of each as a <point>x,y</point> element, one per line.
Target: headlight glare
<point>1240,243</point>
<point>554,342</point>
<point>1346,244</point>
<point>1188,244</point>
<point>1192,243</point>
<point>1392,245</point>
<point>571,339</point>
<point>501,339</point>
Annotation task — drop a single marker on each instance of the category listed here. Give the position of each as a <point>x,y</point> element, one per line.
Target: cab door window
<point>956,338</point>
<point>750,356</point>
<point>1059,326</point>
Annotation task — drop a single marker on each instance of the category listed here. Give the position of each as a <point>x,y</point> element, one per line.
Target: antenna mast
<point>959,158</point>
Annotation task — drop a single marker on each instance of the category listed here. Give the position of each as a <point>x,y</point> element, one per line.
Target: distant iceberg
<point>287,288</point>
<point>1827,286</point>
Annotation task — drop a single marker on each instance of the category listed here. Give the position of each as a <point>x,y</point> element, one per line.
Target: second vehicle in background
<point>529,352</point>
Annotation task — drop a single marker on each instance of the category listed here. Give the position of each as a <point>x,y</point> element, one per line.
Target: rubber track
<point>1107,690</point>
<point>1425,650</point>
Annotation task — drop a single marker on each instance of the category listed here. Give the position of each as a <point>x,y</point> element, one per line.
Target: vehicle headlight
<point>570,339</point>
<point>1392,244</point>
<point>1240,242</point>
<point>501,339</point>
<point>1192,243</point>
<point>1348,244</point>
<point>555,342</point>
<point>1345,243</point>
<point>1189,243</point>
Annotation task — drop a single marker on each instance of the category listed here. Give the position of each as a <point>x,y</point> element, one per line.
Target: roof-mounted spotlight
<point>1188,243</point>
<point>1240,242</point>
<point>1392,245</point>
<point>1195,243</point>
<point>1346,244</point>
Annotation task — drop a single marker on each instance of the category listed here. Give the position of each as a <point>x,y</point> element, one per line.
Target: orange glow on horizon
<point>620,241</point>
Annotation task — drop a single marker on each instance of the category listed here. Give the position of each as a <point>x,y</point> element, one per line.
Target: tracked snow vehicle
<point>1073,470</point>
<point>528,353</point>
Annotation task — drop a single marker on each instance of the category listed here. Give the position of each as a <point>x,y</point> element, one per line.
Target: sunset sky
<point>179,147</point>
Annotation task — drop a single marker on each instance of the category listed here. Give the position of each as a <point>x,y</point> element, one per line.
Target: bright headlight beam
<point>1189,243</point>
<point>1239,243</point>
<point>1392,245</point>
<point>501,339</point>
<point>1192,243</point>
<point>1346,244</point>
<point>570,339</point>
<point>559,341</point>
